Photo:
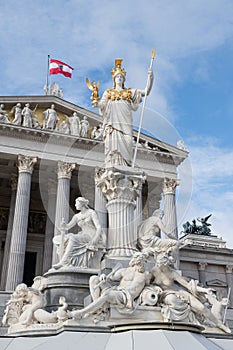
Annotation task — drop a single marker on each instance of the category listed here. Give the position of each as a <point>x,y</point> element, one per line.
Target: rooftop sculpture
<point>194,228</point>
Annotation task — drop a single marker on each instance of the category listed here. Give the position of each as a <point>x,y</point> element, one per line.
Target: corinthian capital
<point>26,163</point>
<point>117,184</point>
<point>229,268</point>
<point>202,266</point>
<point>65,169</point>
<point>169,185</point>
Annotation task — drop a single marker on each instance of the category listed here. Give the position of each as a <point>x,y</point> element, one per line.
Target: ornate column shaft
<point>170,218</point>
<point>14,180</point>
<point>20,223</point>
<point>121,189</point>
<point>49,229</point>
<point>202,274</point>
<point>100,207</point>
<point>229,278</point>
<point>138,209</point>
<point>64,172</point>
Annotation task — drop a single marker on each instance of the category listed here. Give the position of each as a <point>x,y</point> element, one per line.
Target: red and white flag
<point>56,67</point>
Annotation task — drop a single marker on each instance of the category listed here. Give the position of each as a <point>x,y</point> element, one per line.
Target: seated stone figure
<point>132,281</point>
<point>78,248</point>
<point>182,300</point>
<point>149,240</point>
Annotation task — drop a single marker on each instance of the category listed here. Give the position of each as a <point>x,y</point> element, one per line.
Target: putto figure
<point>116,107</point>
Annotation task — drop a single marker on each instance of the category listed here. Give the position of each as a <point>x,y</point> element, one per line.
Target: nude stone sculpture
<point>149,240</point>
<point>132,281</point>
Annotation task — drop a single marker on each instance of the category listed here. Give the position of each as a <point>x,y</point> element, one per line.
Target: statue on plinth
<point>116,106</point>
<point>77,249</point>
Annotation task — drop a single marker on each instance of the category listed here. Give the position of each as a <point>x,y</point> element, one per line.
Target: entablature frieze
<point>54,146</point>
<point>57,138</point>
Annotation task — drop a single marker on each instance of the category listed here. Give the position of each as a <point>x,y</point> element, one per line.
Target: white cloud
<point>212,187</point>
<point>90,35</point>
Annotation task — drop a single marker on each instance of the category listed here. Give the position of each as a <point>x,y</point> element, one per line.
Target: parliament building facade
<point>45,167</point>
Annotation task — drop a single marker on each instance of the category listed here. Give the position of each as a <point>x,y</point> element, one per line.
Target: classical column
<point>229,269</point>
<point>100,205</point>
<point>20,223</point>
<point>14,180</point>
<point>64,172</point>
<point>202,274</point>
<point>170,218</point>
<point>121,189</point>
<point>49,229</point>
<point>138,209</point>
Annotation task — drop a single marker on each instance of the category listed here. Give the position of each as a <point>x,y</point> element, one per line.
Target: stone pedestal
<point>121,188</point>
<point>72,283</point>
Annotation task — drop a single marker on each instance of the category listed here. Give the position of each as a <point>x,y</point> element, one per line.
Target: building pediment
<point>216,283</point>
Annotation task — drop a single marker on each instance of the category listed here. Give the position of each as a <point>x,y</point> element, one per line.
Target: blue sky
<point>192,96</point>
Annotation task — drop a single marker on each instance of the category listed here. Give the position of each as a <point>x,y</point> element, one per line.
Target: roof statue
<point>53,89</point>
<point>193,228</point>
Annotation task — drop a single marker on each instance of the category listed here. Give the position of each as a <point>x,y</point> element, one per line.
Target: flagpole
<point>47,76</point>
<point>143,108</point>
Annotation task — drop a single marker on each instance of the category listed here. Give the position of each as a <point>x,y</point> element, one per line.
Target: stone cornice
<point>57,138</point>
<point>67,108</point>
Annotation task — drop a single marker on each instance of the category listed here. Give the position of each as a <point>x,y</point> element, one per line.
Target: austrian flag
<point>56,67</point>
